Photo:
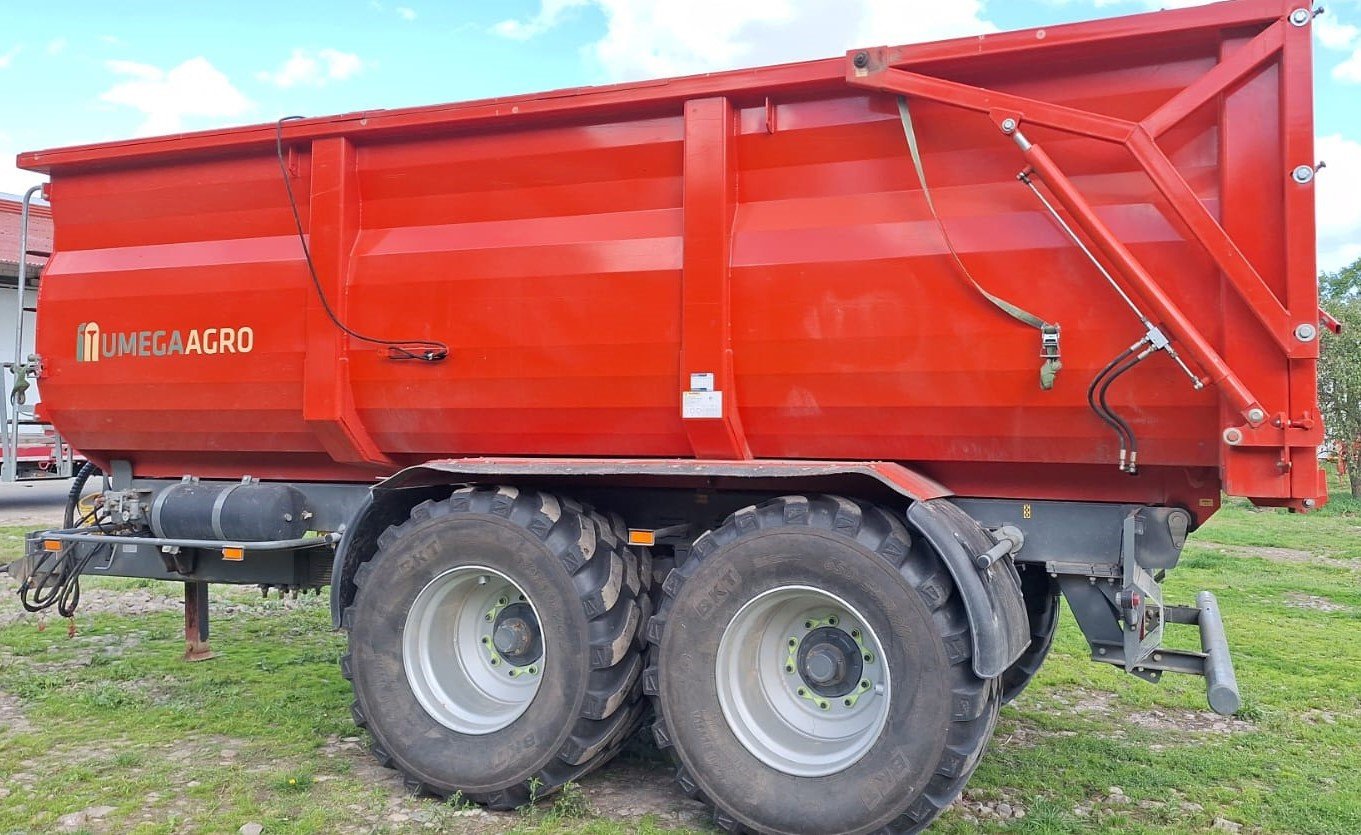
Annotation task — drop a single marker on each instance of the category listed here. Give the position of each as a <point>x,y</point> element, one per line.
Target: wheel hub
<point>820,694</point>
<point>472,649</point>
<point>515,634</point>
<point>829,662</point>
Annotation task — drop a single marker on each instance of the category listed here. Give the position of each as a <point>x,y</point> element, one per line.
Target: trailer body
<point>584,253</point>
<point>736,359</point>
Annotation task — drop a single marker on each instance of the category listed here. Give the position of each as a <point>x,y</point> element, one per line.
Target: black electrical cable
<point>425,350</point>
<point>1132,467</point>
<point>1113,421</point>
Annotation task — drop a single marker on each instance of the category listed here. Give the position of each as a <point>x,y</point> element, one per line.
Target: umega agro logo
<point>93,345</point>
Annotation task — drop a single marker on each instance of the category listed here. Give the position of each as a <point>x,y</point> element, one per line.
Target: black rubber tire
<point>1042,609</point>
<point>584,587</point>
<point>643,556</point>
<point>943,714</point>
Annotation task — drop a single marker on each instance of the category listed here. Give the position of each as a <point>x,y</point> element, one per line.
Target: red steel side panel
<point>583,253</point>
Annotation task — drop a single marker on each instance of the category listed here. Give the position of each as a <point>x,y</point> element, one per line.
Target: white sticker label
<point>703,381</point>
<point>702,404</point>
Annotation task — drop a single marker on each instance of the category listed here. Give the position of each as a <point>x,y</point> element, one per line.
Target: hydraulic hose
<point>1103,411</point>
<point>77,487</point>
<point>1132,465</point>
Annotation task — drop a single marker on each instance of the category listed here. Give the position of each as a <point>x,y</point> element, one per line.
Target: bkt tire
<point>492,645</point>
<point>813,673</point>
<point>1042,611</point>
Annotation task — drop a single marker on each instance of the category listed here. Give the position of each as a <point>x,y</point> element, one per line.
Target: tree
<point>1339,368</point>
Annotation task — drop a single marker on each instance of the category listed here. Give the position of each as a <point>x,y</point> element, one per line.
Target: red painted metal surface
<point>584,252</point>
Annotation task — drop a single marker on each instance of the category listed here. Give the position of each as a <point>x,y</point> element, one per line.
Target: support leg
<point>196,622</point>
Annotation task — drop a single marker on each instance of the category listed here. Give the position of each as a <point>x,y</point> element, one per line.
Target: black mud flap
<point>992,596</point>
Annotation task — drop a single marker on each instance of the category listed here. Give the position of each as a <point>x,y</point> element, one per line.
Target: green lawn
<point>112,717</point>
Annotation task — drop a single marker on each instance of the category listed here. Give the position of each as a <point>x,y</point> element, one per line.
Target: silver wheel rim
<point>773,710</point>
<point>452,662</point>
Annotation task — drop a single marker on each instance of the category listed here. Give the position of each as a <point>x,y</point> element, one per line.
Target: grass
<point>262,733</point>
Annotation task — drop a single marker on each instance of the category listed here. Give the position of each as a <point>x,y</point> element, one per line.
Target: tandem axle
<point>1107,560</point>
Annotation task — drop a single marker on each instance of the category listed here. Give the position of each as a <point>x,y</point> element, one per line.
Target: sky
<point>78,71</point>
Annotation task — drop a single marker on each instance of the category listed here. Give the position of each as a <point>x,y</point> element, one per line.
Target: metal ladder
<point>11,414</point>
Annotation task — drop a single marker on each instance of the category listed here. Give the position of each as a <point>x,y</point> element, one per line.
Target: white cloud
<point>404,12</point>
<point>675,37</point>
<point>194,89</point>
<point>8,57</point>
<point>135,69</point>
<point>56,46</point>
<point>1156,5</point>
<point>549,15</point>
<point>1333,33</point>
<point>1349,71</point>
<point>313,69</point>
<point>1336,207</point>
<point>1151,5</point>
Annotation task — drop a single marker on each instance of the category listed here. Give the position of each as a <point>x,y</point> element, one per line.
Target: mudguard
<point>380,510</point>
<point>992,596</point>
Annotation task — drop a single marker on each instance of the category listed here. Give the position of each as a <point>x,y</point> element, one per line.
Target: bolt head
<point>1303,174</point>
<point>1308,503</point>
<point>1008,125</point>
<point>1233,436</point>
<point>861,60</point>
<point>1299,17</point>
<point>1306,332</point>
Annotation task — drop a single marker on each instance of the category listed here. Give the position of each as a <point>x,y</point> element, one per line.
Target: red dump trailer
<point>779,406</point>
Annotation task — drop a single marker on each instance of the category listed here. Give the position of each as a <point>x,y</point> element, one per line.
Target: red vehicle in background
<point>780,405</point>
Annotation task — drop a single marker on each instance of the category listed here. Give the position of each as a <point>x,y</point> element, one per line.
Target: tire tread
<point>606,574</point>
<point>976,700</point>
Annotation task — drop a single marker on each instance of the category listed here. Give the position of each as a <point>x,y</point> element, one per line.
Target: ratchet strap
<point>1049,333</point>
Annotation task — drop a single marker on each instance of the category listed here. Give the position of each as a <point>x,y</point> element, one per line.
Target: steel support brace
<point>1138,279</point>
<point>875,69</point>
<point>710,196</point>
<point>333,228</point>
